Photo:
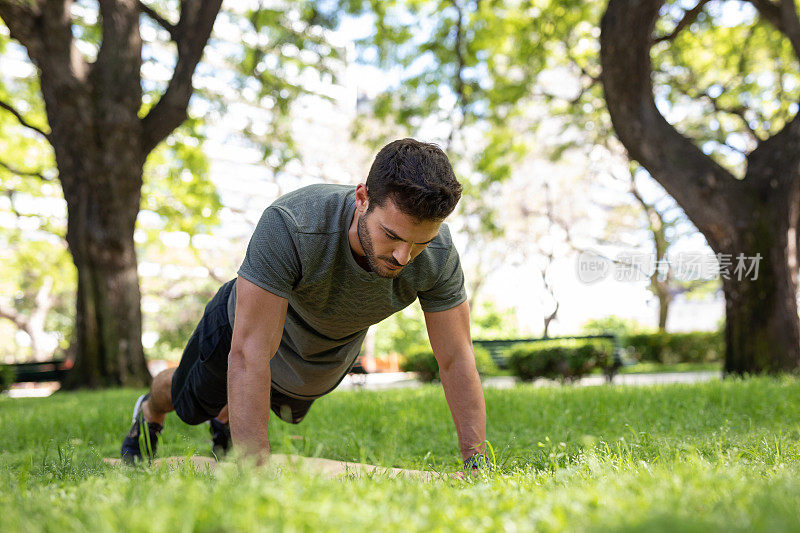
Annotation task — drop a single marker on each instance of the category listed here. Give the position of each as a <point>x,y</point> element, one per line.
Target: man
<point>324,263</point>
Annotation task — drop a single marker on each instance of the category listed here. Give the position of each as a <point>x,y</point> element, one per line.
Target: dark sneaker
<point>137,440</point>
<point>220,437</point>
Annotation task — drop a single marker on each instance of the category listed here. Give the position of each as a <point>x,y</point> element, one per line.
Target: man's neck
<point>355,244</point>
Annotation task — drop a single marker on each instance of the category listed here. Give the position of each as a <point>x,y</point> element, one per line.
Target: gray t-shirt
<point>300,251</point>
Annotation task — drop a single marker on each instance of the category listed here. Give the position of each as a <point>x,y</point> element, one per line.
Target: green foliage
<point>672,348</point>
<point>405,331</point>
<point>281,46</point>
<point>33,251</point>
<point>467,69</point>
<point>177,186</point>
<point>423,362</point>
<point>177,317</point>
<point>7,376</point>
<point>402,332</point>
<point>612,325</point>
<point>741,73</point>
<point>484,362</point>
<point>489,322</point>
<point>559,359</point>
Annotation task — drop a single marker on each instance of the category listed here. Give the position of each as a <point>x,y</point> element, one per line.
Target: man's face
<point>391,239</point>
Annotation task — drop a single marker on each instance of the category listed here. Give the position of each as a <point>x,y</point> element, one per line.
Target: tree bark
<point>108,319</point>
<point>761,330</point>
<point>757,215</point>
<point>664,300</point>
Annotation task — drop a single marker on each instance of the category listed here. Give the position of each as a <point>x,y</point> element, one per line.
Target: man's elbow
<point>236,360</point>
<point>244,361</point>
<point>451,362</point>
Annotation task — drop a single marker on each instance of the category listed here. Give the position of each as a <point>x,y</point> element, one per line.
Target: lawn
<point>722,455</point>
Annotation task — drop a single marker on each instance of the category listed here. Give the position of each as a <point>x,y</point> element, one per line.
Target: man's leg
<point>220,433</point>
<point>149,414</point>
<point>196,390</point>
<point>288,409</point>
<point>159,403</point>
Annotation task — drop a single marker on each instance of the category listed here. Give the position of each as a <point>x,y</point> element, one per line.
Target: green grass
<point>658,368</point>
<point>713,456</point>
<point>646,368</point>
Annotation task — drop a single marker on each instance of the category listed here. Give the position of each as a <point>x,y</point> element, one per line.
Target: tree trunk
<point>547,320</point>
<point>102,207</point>
<point>762,330</point>
<point>758,214</point>
<point>664,301</point>
<point>108,329</point>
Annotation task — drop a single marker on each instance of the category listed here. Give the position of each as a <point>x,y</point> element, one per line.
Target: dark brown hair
<point>417,176</point>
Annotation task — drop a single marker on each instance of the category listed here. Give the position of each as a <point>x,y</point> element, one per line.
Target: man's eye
<point>391,237</point>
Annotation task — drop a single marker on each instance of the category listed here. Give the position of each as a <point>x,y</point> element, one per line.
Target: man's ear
<point>362,200</point>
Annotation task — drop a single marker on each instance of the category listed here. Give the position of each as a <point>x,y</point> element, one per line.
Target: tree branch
<point>791,24</point>
<point>161,21</point>
<point>13,315</point>
<point>459,81</point>
<point>738,111</point>
<point>191,35</point>
<point>688,17</point>
<point>22,120</point>
<point>21,20</point>
<point>784,17</point>
<point>44,302</point>
<point>708,193</point>
<point>18,172</point>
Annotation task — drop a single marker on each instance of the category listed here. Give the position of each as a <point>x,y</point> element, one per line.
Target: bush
<point>614,325</point>
<point>566,359</point>
<point>484,362</point>
<point>672,348</point>
<point>7,377</point>
<point>422,361</point>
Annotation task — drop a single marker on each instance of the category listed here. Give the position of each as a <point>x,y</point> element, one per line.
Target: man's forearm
<point>248,402</point>
<point>464,394</point>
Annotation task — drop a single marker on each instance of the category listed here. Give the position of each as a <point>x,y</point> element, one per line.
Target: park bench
<point>40,371</point>
<point>499,348</point>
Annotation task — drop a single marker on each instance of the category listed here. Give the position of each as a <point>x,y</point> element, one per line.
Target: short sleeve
<point>448,291</point>
<point>272,260</point>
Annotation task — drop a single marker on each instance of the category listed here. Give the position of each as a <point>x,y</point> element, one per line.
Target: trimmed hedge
<point>7,376</point>
<point>566,359</point>
<point>423,362</point>
<point>672,348</point>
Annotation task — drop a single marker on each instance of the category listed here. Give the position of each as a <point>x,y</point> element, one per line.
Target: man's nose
<point>402,254</point>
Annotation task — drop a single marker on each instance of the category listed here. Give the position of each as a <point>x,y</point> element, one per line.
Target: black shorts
<point>200,383</point>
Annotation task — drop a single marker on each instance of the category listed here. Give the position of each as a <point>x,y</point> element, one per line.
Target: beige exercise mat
<point>326,467</point>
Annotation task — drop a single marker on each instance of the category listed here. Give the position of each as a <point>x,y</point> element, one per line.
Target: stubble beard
<point>369,251</point>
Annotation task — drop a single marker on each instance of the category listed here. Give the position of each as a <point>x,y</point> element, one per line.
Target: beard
<point>369,251</point>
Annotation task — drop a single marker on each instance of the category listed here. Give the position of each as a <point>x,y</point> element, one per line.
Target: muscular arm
<point>452,345</point>
<point>257,330</point>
